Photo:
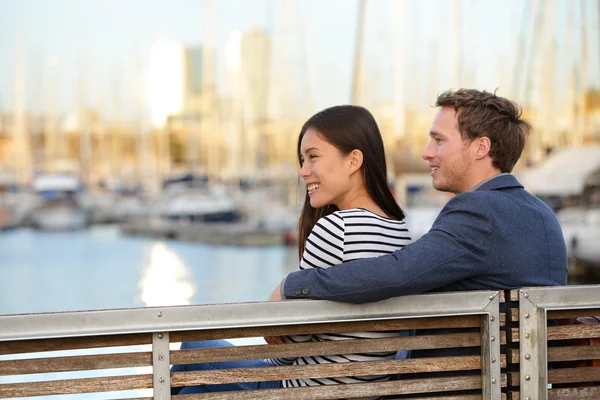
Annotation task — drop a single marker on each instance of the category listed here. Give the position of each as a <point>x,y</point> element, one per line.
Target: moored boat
<point>59,209</point>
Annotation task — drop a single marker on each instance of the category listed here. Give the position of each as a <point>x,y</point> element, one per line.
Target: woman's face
<point>325,171</point>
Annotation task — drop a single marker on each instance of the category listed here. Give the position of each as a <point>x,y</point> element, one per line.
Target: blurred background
<point>147,148</point>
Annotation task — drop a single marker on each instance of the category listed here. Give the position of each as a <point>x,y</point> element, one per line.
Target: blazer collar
<point>501,182</point>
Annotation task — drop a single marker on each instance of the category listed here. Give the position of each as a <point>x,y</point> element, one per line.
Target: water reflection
<point>99,269</point>
<point>165,279</point>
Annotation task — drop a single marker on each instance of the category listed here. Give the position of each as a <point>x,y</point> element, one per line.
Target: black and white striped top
<point>344,236</point>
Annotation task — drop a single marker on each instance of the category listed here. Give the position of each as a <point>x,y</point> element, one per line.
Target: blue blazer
<point>498,236</point>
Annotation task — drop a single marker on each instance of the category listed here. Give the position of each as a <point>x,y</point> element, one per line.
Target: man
<point>492,235</point>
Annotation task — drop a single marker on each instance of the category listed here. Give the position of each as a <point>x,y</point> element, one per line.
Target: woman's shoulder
<point>362,214</point>
<point>334,220</point>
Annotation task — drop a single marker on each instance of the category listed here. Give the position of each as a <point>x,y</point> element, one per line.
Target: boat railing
<point>129,351</point>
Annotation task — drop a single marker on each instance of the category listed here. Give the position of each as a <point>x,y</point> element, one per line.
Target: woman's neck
<point>361,199</point>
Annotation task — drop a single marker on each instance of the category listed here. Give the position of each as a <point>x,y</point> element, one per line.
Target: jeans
<point>225,387</point>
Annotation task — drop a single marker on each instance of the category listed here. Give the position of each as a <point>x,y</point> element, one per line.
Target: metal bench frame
<point>160,321</point>
<point>533,322</point>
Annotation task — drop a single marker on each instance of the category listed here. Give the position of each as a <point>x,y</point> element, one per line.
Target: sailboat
<point>581,225</point>
<point>59,208</point>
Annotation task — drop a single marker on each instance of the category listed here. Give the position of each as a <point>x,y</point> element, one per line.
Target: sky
<point>105,44</point>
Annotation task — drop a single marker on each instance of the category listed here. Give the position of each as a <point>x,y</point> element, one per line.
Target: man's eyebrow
<point>434,133</point>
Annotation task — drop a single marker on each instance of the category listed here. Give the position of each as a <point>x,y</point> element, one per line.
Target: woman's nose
<point>304,171</point>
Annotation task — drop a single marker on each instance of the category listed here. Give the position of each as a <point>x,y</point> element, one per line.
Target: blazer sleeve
<point>451,251</point>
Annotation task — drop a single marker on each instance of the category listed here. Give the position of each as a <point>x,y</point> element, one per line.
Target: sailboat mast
<point>583,114</point>
<point>209,109</point>
<point>144,131</point>
<point>85,149</point>
<point>21,140</point>
<point>358,47</point>
<point>456,45</point>
<point>399,116</point>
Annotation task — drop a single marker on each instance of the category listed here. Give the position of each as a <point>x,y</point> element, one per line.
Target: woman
<point>349,212</point>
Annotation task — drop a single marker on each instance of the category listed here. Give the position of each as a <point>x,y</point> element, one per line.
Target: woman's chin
<point>314,203</point>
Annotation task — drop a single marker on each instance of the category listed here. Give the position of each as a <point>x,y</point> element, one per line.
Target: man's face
<point>450,159</point>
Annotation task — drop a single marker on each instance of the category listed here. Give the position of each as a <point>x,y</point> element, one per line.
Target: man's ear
<point>356,160</point>
<point>483,147</point>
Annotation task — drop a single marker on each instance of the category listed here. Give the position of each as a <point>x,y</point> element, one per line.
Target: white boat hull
<point>59,219</point>
<point>581,230</point>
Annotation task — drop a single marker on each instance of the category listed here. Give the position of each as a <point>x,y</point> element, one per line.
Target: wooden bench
<point>150,330</point>
<point>547,327</point>
<point>126,352</point>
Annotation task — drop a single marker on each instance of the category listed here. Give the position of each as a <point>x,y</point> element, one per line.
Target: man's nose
<point>427,152</point>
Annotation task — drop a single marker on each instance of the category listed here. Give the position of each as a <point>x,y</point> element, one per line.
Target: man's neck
<point>489,178</point>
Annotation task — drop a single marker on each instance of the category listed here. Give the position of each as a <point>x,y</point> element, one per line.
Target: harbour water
<point>99,268</point>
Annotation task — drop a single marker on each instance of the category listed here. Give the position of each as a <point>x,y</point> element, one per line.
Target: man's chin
<point>440,187</point>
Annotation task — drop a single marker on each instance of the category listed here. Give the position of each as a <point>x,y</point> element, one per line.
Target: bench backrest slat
<point>461,321</point>
<point>128,350</point>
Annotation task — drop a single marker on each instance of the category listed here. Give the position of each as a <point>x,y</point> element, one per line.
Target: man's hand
<point>274,339</point>
<point>275,296</point>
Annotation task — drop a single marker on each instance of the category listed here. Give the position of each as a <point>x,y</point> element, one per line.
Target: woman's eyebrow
<point>309,149</point>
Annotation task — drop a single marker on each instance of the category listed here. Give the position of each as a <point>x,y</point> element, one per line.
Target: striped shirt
<point>344,236</point>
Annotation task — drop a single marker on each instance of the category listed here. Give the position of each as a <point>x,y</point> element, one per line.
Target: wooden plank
<point>558,314</point>
<point>75,363</point>
<point>501,296</point>
<point>511,395</point>
<point>573,332</point>
<point>562,353</point>
<point>355,346</point>
<point>561,314</point>
<point>433,397</point>
<point>467,321</point>
<point>513,335</point>
<point>573,353</point>
<point>513,379</point>
<point>123,360</point>
<point>40,345</point>
<point>74,343</point>
<point>455,397</point>
<point>513,356</point>
<point>73,386</point>
<point>582,393</point>
<point>563,375</point>
<point>366,368</point>
<point>574,375</point>
<point>408,386</point>
<point>563,332</point>
<point>514,294</point>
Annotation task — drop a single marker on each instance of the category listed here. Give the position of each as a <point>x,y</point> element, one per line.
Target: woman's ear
<point>356,160</point>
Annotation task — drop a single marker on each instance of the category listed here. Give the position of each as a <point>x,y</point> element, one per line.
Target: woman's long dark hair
<point>349,128</point>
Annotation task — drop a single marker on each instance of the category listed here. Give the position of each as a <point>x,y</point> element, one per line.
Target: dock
<point>238,234</point>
